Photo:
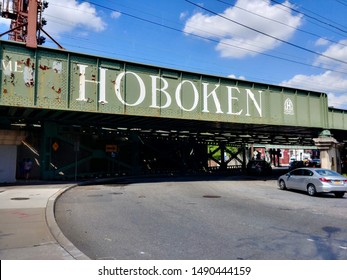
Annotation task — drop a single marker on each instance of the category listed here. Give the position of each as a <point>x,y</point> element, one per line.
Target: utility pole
<point>26,21</point>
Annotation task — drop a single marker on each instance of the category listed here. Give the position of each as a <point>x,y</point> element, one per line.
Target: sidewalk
<point>28,230</point>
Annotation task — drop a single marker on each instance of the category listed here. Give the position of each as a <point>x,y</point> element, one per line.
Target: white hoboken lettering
<point>178,96</point>
<point>214,96</point>
<point>163,90</point>
<point>118,90</point>
<point>257,106</point>
<point>102,86</point>
<point>161,97</point>
<point>83,81</point>
<point>230,101</point>
<point>159,89</point>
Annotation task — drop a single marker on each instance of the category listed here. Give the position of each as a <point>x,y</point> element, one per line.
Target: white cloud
<point>67,16</point>
<point>183,15</point>
<point>337,100</point>
<point>232,76</point>
<point>252,13</point>
<point>332,83</point>
<point>322,42</point>
<point>327,82</point>
<point>337,51</point>
<point>115,14</point>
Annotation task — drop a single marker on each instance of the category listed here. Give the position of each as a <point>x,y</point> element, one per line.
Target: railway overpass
<point>78,115</point>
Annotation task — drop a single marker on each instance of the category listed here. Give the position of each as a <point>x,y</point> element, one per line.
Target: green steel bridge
<point>80,115</point>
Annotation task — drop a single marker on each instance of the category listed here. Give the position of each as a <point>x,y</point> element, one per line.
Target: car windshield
<point>324,172</point>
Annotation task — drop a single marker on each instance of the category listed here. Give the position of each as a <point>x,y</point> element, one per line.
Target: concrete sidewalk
<point>28,230</point>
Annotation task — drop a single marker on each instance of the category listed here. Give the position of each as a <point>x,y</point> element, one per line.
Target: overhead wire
<point>341,2</point>
<point>310,65</point>
<point>213,40</point>
<point>314,22</point>
<point>204,38</point>
<point>216,41</point>
<point>282,23</point>
<point>266,34</point>
<point>108,52</point>
<point>312,17</point>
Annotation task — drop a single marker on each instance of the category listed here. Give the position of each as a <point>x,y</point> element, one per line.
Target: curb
<point>55,230</point>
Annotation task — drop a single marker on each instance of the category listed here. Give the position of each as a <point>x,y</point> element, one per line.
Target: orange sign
<point>111,148</point>
<point>55,146</point>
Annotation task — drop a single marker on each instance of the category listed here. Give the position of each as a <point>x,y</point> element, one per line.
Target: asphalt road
<point>221,219</point>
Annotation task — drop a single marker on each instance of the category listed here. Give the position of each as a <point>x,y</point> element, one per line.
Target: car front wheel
<point>311,190</point>
<point>283,185</point>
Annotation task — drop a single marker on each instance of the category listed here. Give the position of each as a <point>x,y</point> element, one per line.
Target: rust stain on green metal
<point>56,79</point>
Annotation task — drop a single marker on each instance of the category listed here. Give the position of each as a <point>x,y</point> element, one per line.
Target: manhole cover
<point>20,198</point>
<point>117,193</point>
<point>212,196</point>
<point>285,209</point>
<point>95,195</point>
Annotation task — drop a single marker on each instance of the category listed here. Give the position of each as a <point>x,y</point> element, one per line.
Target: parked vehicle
<point>296,164</point>
<point>258,167</point>
<point>313,181</point>
<point>315,162</point>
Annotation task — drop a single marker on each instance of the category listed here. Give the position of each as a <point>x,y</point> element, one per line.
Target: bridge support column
<point>135,152</point>
<point>329,151</point>
<point>9,140</point>
<point>244,157</point>
<point>223,163</point>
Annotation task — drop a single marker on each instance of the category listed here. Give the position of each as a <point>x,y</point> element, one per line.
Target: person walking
<point>28,164</point>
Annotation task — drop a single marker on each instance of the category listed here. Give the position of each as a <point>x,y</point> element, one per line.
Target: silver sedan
<point>313,181</point>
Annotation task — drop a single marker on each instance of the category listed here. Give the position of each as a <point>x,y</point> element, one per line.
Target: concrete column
<point>244,158</point>
<point>9,140</point>
<point>11,137</point>
<point>135,154</point>
<point>329,151</point>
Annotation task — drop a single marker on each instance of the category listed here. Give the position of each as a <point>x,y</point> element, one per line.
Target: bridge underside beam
<point>66,149</point>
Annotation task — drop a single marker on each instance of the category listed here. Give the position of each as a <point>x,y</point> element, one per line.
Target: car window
<point>307,172</point>
<point>297,172</point>
<point>324,172</point>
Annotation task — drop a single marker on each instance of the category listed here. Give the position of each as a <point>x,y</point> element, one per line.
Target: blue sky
<point>295,43</point>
